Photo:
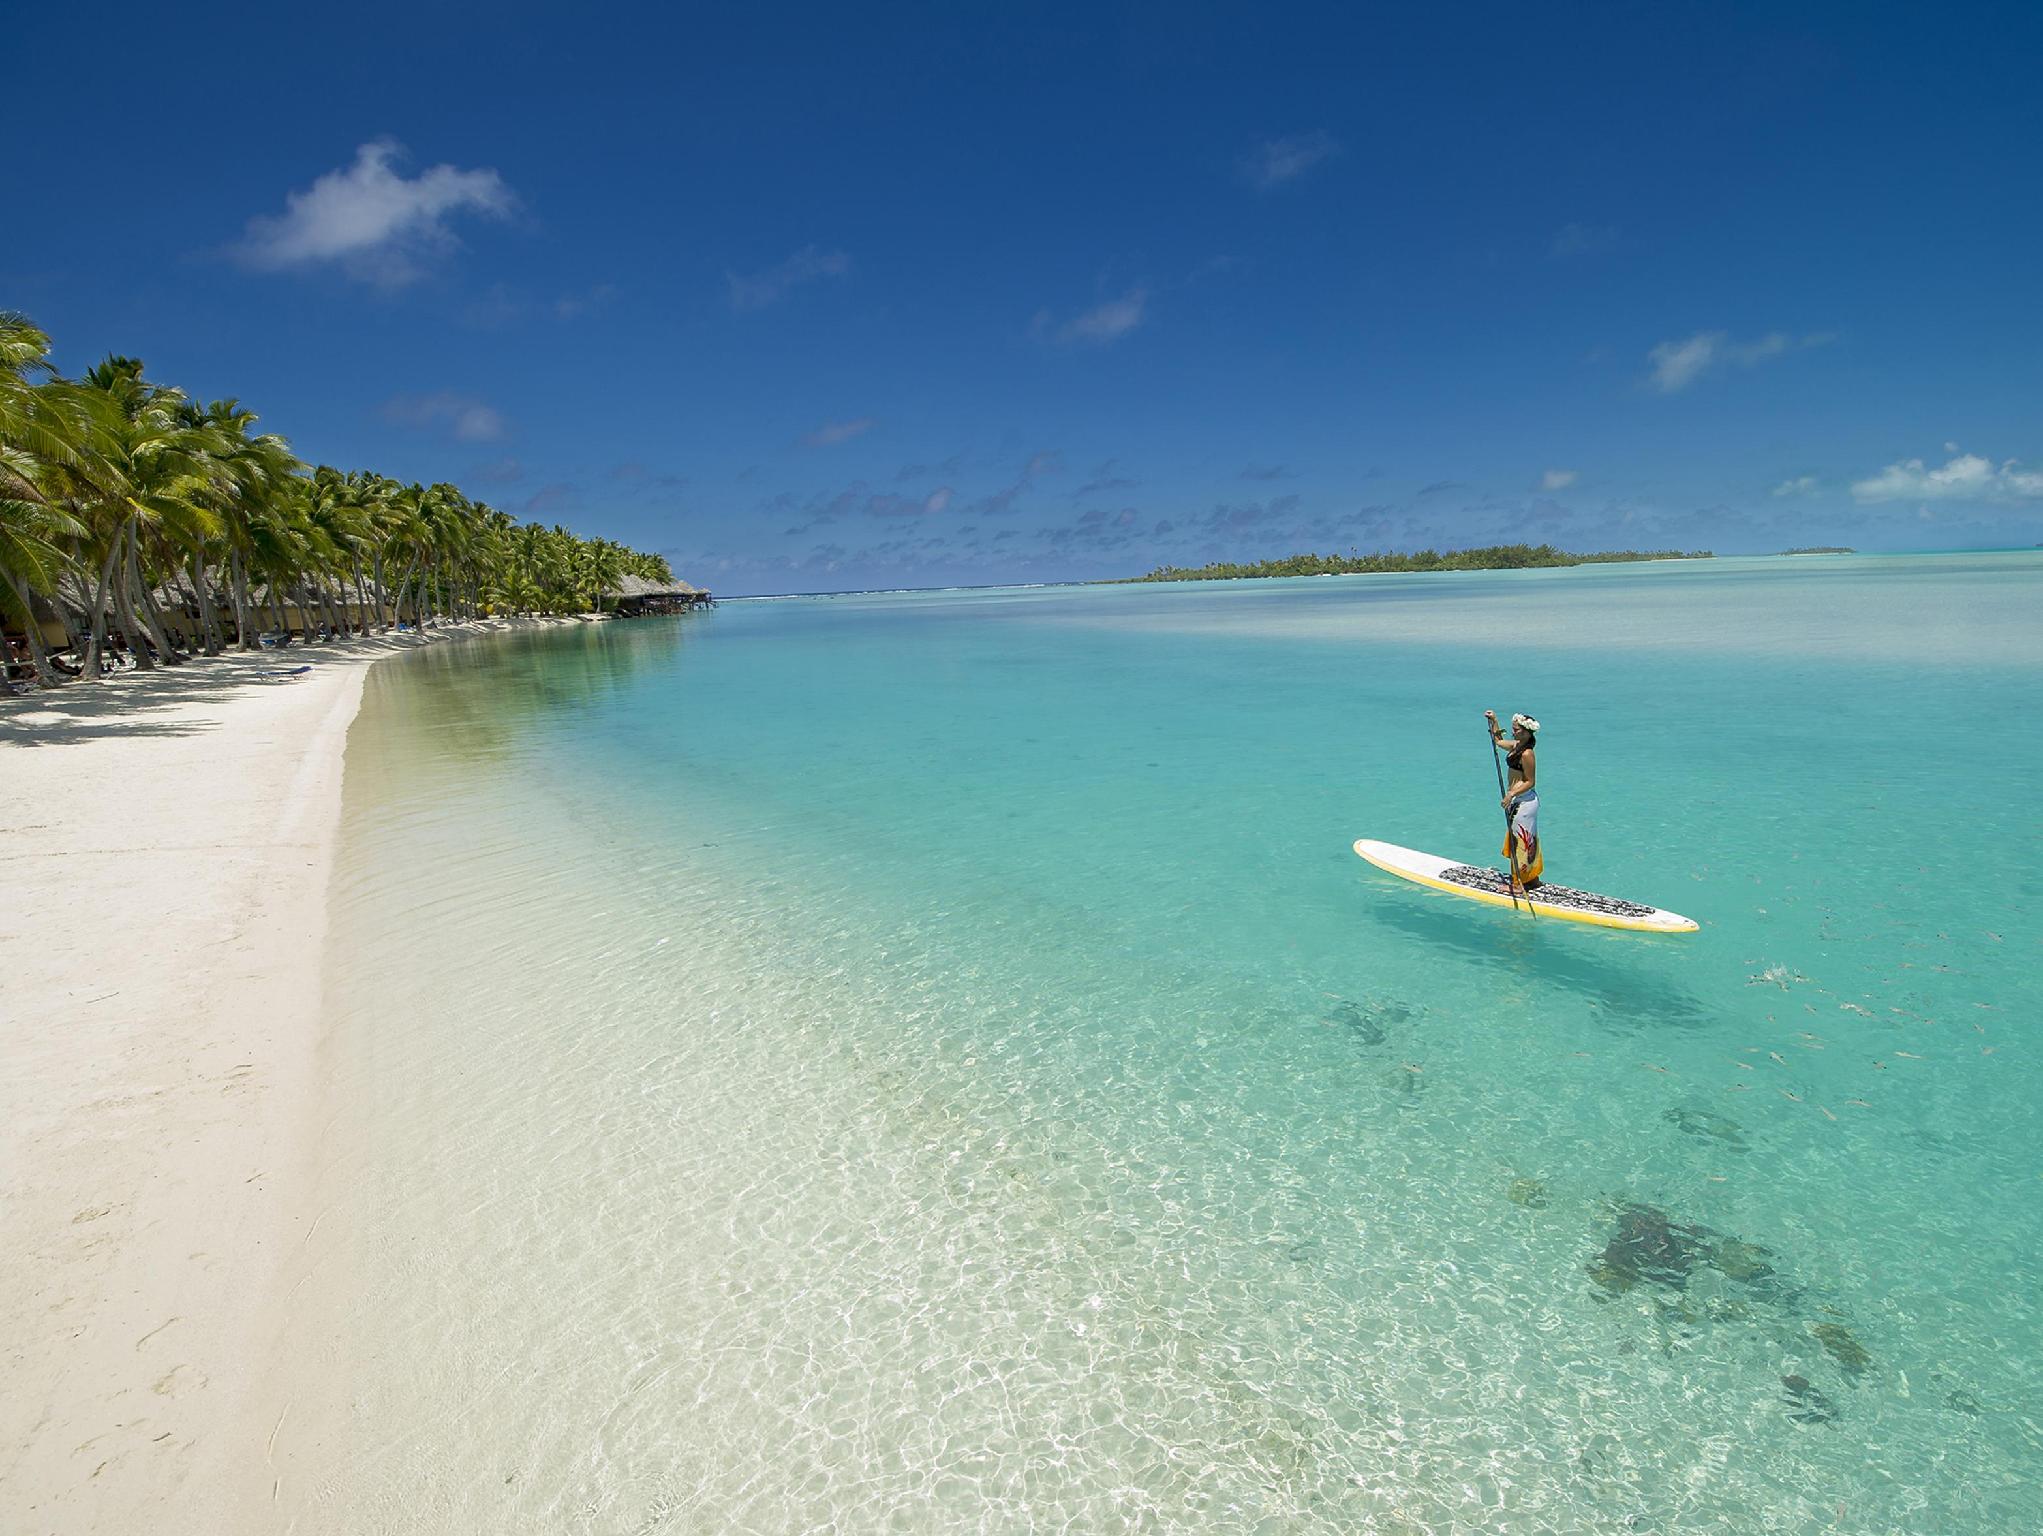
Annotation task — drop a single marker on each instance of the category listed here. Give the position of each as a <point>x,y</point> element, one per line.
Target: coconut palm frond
<point>136,497</point>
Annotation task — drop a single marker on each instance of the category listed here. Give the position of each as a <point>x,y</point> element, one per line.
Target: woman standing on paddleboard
<point>1521,799</point>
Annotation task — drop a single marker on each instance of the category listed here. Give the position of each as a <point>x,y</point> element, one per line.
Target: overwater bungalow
<point>634,596</point>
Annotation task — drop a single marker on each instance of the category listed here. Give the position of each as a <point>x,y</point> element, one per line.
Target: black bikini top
<point>1516,753</point>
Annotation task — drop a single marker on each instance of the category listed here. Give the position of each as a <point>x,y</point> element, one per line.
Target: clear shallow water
<point>934,1063</point>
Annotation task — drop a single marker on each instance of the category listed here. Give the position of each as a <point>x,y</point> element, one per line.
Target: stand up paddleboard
<point>1493,887</point>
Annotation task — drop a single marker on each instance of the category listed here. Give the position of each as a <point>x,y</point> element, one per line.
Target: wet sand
<point>164,849</point>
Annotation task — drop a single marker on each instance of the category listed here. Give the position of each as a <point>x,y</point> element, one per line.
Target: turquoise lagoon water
<point>933,1063</point>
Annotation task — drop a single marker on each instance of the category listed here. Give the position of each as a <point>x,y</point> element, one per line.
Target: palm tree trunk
<point>77,623</point>
<point>403,588</point>
<point>209,629</point>
<point>195,578</point>
<point>245,635</point>
<point>46,674</point>
<point>95,636</point>
<point>151,616</point>
<point>124,602</point>
<point>179,580</point>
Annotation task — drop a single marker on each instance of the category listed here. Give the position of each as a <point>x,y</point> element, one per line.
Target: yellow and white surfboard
<point>1492,887</point>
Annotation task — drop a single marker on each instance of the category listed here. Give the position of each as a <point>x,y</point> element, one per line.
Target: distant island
<point>1821,549</point>
<point>1493,557</point>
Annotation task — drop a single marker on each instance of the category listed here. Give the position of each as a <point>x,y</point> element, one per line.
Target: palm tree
<point>248,475</point>
<point>598,565</point>
<point>341,515</point>
<point>118,495</point>
<point>34,449</point>
<point>157,489</point>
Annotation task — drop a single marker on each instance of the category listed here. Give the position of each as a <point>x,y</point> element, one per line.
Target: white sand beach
<point>165,840</point>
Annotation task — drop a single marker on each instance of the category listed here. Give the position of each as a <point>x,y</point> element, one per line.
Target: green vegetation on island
<point>1493,557</point>
<point>1821,549</point>
<point>134,518</point>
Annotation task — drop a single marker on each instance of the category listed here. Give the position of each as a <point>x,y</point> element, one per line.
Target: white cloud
<point>1045,461</point>
<point>1678,364</point>
<point>1966,477</point>
<point>909,506</point>
<point>501,305</point>
<point>832,433</point>
<point>1097,326</point>
<point>1274,162</point>
<point>572,306</point>
<point>1582,239</point>
<point>372,222</point>
<point>1558,479</point>
<point>462,417</point>
<point>1801,485</point>
<point>807,265</point>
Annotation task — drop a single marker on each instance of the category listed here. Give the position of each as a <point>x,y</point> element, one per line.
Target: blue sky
<point>814,298</point>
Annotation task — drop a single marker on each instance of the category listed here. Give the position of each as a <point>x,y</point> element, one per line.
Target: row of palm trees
<point>131,511</point>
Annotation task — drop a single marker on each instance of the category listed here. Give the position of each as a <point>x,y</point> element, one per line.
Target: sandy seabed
<point>165,843</point>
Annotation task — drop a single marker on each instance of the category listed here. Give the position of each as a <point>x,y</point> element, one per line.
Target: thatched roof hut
<point>633,595</point>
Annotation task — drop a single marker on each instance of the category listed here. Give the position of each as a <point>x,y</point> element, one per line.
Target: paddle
<point>1510,845</point>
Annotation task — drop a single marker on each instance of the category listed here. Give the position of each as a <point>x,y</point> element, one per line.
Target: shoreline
<point>168,839</point>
